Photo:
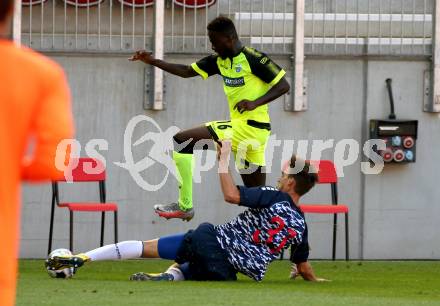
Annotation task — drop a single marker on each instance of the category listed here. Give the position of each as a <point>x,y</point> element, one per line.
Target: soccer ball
<point>63,273</point>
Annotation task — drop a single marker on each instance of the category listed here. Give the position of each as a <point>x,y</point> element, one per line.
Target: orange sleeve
<point>52,123</point>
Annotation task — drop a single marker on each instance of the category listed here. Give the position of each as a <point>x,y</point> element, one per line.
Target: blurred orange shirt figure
<point>34,108</point>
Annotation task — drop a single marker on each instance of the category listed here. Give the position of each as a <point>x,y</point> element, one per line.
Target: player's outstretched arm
<point>184,71</point>
<point>276,91</point>
<point>229,189</point>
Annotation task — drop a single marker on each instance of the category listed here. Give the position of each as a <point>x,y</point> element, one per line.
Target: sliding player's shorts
<point>249,139</point>
<point>204,256</point>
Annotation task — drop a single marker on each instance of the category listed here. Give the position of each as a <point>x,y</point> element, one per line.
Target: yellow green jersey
<point>247,76</point>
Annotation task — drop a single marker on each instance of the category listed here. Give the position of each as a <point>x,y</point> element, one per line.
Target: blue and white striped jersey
<point>257,236</point>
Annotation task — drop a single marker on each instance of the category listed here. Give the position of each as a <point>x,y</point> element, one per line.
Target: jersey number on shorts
<point>224,126</point>
<point>272,232</point>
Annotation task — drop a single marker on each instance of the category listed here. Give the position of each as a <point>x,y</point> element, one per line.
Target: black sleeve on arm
<point>260,197</point>
<point>208,64</point>
<point>261,65</point>
<point>300,253</point>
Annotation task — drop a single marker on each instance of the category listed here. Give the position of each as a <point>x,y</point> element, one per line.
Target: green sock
<point>184,164</point>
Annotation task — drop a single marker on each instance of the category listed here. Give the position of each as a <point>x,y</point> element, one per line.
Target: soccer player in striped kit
<point>247,244</point>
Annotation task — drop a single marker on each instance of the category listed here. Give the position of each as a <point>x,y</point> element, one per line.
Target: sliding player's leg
<point>164,247</point>
<point>184,143</point>
<point>199,257</point>
<point>173,273</point>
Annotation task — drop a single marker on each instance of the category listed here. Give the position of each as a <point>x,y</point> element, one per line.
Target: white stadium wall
<point>392,215</point>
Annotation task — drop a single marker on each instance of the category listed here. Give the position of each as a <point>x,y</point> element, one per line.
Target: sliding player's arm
<point>230,191</point>
<point>184,71</point>
<point>300,256</point>
<point>306,271</point>
<point>253,197</point>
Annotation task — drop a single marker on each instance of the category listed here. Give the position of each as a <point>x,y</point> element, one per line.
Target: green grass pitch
<point>353,283</point>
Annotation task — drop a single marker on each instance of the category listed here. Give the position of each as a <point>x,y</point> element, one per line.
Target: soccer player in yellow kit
<point>250,81</point>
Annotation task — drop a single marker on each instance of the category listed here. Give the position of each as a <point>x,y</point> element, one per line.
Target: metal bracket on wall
<point>289,97</point>
<point>427,93</point>
<point>426,89</point>
<point>431,101</point>
<point>148,101</point>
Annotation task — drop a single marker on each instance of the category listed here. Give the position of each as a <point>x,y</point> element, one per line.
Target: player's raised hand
<point>223,155</point>
<point>142,55</point>
<point>245,105</point>
<point>224,150</point>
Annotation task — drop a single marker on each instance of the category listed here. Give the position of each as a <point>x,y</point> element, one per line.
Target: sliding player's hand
<point>224,150</point>
<point>218,147</point>
<point>223,154</point>
<point>143,56</point>
<point>245,105</point>
<point>320,280</point>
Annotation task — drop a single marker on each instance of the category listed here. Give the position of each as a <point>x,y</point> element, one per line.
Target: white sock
<point>121,250</point>
<point>176,273</point>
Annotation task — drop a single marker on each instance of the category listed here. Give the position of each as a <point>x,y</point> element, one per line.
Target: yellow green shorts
<point>249,139</point>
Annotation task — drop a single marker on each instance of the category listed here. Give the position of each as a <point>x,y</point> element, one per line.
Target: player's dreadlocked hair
<point>304,179</point>
<point>5,6</point>
<point>223,25</point>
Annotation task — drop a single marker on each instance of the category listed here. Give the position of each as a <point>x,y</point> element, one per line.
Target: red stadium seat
<point>327,175</point>
<point>83,3</point>
<point>194,3</point>
<point>81,174</point>
<point>137,3</point>
<point>324,209</point>
<point>32,2</point>
<point>87,206</point>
